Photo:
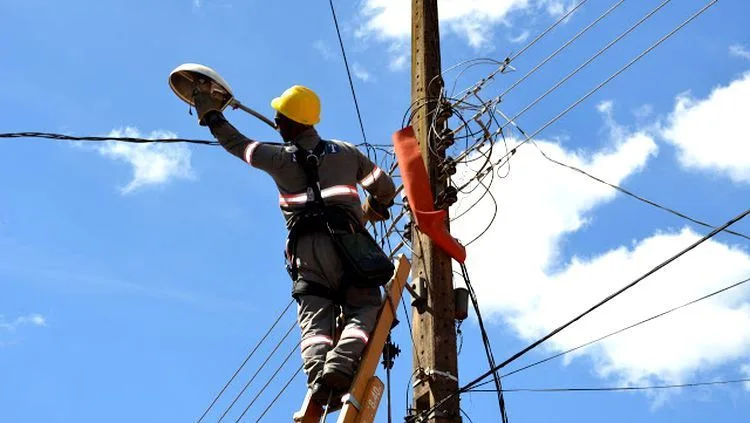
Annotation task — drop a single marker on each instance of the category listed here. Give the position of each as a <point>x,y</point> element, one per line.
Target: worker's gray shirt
<point>341,169</point>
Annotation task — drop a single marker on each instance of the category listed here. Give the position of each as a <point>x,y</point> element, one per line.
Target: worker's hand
<point>204,101</point>
<point>373,211</point>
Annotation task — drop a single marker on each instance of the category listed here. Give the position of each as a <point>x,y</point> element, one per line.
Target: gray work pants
<point>319,263</point>
<point>317,318</point>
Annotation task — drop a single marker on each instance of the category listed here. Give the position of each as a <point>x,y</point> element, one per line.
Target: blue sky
<point>134,280</point>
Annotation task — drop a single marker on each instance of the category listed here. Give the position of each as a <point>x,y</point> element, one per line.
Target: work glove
<point>374,211</point>
<point>205,103</point>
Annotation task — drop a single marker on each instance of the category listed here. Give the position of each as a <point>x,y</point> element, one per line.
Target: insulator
<point>445,140</point>
<point>446,111</point>
<point>447,198</point>
<point>448,167</point>
<point>450,191</point>
<point>407,231</point>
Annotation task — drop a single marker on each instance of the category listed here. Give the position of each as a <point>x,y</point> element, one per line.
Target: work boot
<point>320,393</point>
<point>336,380</point>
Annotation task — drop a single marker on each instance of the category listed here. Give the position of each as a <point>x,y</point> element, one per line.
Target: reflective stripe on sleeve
<point>371,177</point>
<point>249,150</point>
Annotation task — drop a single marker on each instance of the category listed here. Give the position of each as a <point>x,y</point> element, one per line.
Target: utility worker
<point>314,262</point>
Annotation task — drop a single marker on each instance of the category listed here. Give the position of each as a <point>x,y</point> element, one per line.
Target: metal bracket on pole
<point>418,291</point>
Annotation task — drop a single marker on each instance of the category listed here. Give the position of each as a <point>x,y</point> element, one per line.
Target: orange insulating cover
<point>417,187</point>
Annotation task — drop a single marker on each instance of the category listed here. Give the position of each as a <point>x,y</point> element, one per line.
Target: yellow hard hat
<point>299,104</point>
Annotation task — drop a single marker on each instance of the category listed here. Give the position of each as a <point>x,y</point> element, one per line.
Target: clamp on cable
<point>424,375</point>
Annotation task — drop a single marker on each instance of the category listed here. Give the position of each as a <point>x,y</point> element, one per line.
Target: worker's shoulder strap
<point>309,160</point>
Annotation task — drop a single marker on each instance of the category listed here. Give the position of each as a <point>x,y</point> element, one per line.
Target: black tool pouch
<point>365,263</point>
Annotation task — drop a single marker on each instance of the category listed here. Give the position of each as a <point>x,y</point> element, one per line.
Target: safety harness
<point>365,263</point>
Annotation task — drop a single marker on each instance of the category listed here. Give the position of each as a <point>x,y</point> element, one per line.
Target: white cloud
<point>34,319</point>
<point>197,4</point>
<point>399,56</point>
<point>522,280</point>
<point>523,36</point>
<point>361,73</point>
<point>154,163</point>
<point>644,111</point>
<point>473,20</point>
<point>324,49</point>
<point>710,134</point>
<point>738,50</point>
<point>556,8</point>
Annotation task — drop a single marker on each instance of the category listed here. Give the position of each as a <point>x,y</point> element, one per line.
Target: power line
<point>573,105</point>
<point>633,195</point>
<point>561,48</point>
<point>620,388</point>
<point>348,73</point>
<point>270,355</point>
<point>474,382</point>
<point>289,382</point>
<point>486,343</point>
<point>252,352</point>
<point>621,330</point>
<point>466,415</point>
<point>610,297</point>
<point>588,62</point>
<point>54,136</point>
<point>528,138</point>
<point>273,376</point>
<point>560,20</point>
<point>515,56</point>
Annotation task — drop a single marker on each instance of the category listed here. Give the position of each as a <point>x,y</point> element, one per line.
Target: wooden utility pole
<point>435,358</point>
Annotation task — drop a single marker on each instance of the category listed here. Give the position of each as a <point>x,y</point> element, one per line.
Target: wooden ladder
<point>361,403</point>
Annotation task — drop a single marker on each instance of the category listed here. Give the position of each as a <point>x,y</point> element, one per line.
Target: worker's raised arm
<point>379,185</point>
<point>263,156</point>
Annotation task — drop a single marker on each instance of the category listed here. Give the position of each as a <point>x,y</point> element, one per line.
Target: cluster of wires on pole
<point>477,139</point>
<point>480,147</point>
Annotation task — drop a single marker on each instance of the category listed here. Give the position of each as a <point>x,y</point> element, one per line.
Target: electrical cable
<point>519,354</point>
<point>54,136</point>
<point>273,376</point>
<point>549,123</point>
<point>621,330</point>
<point>252,352</point>
<point>620,388</point>
<point>494,216</point>
<point>486,342</point>
<point>560,49</point>
<point>289,382</point>
<point>349,74</point>
<point>244,388</point>
<point>660,266</point>
<point>530,44</point>
<point>589,60</point>
<point>466,415</point>
<point>633,195</point>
